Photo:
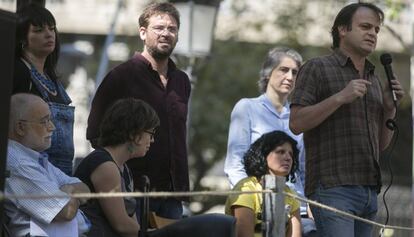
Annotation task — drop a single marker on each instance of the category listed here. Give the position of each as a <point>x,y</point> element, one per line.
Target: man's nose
<point>50,32</point>
<point>52,126</point>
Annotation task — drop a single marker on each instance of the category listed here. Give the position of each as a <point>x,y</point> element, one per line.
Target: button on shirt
<point>29,177</point>
<point>250,119</point>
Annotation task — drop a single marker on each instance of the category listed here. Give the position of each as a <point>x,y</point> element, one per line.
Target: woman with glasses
<point>36,54</point>
<point>126,132</point>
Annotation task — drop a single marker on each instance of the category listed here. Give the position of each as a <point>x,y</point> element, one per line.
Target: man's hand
<point>76,188</point>
<point>356,88</point>
<point>67,188</point>
<point>388,97</point>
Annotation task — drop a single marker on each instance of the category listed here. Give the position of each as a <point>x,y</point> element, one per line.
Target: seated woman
<point>127,131</point>
<point>273,153</point>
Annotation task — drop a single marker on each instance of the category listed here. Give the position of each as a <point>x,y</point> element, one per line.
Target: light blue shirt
<point>28,177</point>
<point>250,119</point>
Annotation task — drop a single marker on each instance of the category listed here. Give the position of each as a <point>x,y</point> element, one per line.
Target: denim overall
<point>61,151</point>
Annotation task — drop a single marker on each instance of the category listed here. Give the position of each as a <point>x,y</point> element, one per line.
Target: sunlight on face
<point>283,77</point>
<point>280,160</point>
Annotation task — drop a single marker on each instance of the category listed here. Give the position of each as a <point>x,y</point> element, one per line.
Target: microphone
<point>386,61</point>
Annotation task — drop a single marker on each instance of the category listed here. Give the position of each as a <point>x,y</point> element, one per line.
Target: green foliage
<point>293,28</point>
<point>394,8</point>
<point>230,73</point>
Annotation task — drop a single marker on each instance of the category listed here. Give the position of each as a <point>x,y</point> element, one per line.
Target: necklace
<point>47,83</point>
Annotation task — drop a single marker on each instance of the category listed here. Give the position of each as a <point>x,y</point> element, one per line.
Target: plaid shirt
<point>344,148</point>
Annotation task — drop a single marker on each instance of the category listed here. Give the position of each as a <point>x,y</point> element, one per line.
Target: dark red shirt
<point>166,162</point>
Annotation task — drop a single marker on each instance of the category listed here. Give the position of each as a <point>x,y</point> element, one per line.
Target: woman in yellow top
<point>273,153</point>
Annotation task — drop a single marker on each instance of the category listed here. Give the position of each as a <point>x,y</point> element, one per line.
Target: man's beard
<point>159,54</point>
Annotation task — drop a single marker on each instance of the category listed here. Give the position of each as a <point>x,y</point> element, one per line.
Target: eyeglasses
<point>151,133</point>
<point>159,30</point>
<point>45,122</point>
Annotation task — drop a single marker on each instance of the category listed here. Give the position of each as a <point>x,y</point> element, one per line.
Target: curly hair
<point>344,18</point>
<point>36,15</point>
<point>255,159</point>
<point>273,59</point>
<point>126,119</point>
<point>158,8</point>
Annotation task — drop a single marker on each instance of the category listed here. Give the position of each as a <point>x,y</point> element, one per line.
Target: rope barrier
<point>346,214</point>
<point>131,194</point>
<point>198,193</point>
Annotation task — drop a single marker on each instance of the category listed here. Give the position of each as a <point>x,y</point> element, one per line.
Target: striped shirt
<point>344,148</point>
<point>28,177</point>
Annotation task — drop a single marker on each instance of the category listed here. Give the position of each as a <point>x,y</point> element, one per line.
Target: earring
<point>130,147</point>
<point>23,45</point>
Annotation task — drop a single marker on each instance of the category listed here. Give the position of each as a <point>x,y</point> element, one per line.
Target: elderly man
<point>30,132</point>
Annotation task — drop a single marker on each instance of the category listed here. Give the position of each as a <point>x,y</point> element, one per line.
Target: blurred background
<point>224,65</point>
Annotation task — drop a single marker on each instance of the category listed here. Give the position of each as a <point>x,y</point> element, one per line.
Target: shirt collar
<point>268,104</point>
<point>341,57</point>
<point>344,59</point>
<point>43,156</point>
<point>138,56</point>
<point>31,153</point>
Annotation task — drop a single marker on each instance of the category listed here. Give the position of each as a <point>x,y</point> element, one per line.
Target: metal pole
<point>189,69</point>
<point>103,64</point>
<point>412,88</point>
<point>273,211</point>
<point>190,25</point>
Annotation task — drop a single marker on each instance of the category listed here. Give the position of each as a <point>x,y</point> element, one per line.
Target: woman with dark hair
<point>253,117</point>
<point>36,54</point>
<point>273,153</point>
<point>127,131</point>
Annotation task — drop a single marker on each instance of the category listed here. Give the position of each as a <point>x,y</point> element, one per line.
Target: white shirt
<point>28,177</point>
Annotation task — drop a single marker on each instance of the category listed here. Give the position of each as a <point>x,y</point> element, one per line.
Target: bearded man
<point>153,77</point>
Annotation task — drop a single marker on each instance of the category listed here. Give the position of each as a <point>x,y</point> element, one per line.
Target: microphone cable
<point>391,124</point>
<point>386,60</point>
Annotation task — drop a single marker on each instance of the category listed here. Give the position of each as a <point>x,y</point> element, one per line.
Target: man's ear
<point>20,128</point>
<point>342,30</point>
<point>142,33</point>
